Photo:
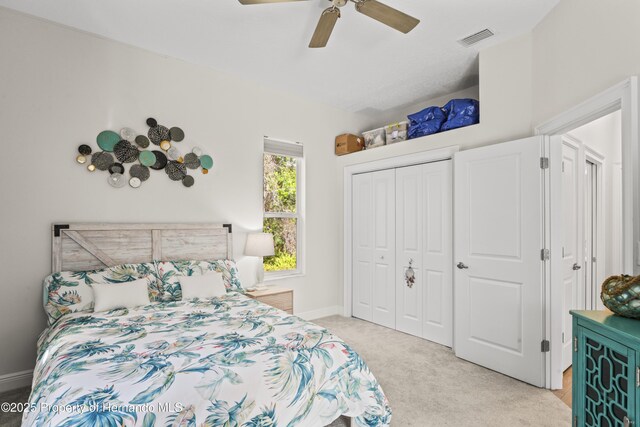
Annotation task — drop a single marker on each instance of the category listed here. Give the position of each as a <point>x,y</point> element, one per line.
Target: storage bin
<point>396,132</point>
<point>348,143</point>
<point>374,138</point>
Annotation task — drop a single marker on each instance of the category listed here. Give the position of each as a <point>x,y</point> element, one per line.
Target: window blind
<point>282,148</point>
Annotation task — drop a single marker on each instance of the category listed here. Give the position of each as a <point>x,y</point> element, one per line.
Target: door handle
<point>462,266</point>
<point>576,267</point>
<point>627,422</point>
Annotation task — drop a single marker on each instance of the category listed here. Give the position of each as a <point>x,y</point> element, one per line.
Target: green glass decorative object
<point>621,294</point>
<point>206,162</point>
<point>107,140</point>
<point>147,158</point>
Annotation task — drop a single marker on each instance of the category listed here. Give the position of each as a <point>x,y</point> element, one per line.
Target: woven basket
<point>621,294</point>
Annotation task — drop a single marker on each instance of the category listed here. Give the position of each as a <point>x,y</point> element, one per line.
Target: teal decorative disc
<point>147,158</point>
<point>206,162</point>
<point>107,140</point>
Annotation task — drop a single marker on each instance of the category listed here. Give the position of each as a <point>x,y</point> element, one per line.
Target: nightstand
<point>281,298</point>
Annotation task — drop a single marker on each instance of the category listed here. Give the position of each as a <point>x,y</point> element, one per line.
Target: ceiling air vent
<point>476,38</point>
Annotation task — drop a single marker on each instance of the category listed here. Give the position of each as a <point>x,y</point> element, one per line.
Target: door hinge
<point>637,377</point>
<point>563,341</point>
<point>575,421</point>
<point>545,254</point>
<point>544,163</point>
<point>544,346</point>
<point>575,344</point>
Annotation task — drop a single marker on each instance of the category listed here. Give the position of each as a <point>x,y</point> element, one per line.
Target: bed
<point>227,361</point>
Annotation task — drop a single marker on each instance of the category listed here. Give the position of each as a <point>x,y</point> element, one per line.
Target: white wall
<point>581,48</point>
<point>604,136</point>
<point>60,87</point>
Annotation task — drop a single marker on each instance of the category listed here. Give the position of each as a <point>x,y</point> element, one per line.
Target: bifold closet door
<point>424,237</point>
<point>373,227</point>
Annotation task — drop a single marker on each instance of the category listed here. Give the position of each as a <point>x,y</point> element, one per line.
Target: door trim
<point>625,97</point>
<point>390,163</point>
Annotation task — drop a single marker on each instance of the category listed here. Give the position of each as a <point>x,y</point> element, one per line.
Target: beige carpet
<point>428,386</point>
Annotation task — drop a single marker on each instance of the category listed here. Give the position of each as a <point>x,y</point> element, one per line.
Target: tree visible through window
<point>281,210</point>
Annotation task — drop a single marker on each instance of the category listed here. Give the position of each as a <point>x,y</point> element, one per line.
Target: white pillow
<point>208,285</point>
<point>121,295</point>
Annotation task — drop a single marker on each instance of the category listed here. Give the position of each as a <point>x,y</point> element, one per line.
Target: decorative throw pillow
<point>209,285</point>
<point>169,273</point>
<point>122,295</point>
<point>70,291</point>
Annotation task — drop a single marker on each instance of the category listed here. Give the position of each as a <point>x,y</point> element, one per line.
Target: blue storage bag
<point>460,113</point>
<point>426,122</point>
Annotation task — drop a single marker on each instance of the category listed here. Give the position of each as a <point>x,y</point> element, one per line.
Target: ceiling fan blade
<point>387,15</point>
<point>325,27</point>
<point>265,1</point>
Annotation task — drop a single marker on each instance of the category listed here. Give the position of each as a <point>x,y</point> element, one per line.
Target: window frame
<point>299,215</point>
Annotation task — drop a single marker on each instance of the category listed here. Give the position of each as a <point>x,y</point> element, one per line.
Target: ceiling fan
<point>372,8</point>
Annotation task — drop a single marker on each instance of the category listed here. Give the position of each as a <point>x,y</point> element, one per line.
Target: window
<point>283,206</point>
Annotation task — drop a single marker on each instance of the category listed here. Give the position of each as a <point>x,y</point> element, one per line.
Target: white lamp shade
<point>259,244</point>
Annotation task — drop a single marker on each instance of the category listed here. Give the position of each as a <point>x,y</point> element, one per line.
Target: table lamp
<point>260,245</point>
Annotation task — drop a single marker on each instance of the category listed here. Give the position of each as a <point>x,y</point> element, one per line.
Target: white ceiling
<point>366,66</point>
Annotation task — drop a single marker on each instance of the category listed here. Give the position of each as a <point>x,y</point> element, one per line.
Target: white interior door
<point>374,247</point>
<point>572,222</point>
<point>409,225</point>
<point>437,257</point>
<point>498,226</point>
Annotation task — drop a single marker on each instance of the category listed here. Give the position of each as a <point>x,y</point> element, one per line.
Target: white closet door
<point>409,225</point>
<point>437,258</point>
<point>362,228</point>
<point>498,193</point>
<point>374,247</point>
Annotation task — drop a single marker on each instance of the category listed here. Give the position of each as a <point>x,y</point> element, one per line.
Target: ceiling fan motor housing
<point>340,3</point>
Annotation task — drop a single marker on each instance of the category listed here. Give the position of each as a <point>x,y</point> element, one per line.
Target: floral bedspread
<point>230,361</point>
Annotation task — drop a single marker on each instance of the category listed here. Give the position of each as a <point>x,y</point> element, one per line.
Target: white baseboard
<point>15,380</point>
<point>320,313</point>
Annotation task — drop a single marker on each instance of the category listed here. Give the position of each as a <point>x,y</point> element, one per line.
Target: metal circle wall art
<point>140,172</point>
<point>126,152</point>
<point>157,134</point>
<point>191,161</point>
<point>142,141</point>
<point>161,160</point>
<point>177,134</point>
<point>116,168</point>
<point>116,149</point>
<point>102,160</point>
<point>84,149</point>
<point>176,170</point>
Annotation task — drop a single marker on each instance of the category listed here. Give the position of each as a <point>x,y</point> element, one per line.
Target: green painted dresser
<point>606,373</point>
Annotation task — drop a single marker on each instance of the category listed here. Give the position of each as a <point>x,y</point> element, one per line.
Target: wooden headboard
<point>89,246</point>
